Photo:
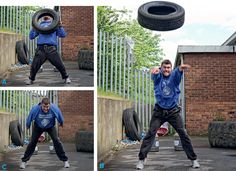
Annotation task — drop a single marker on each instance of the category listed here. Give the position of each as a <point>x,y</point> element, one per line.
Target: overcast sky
<point>207,22</point>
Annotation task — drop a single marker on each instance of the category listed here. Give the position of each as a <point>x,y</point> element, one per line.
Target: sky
<point>207,22</point>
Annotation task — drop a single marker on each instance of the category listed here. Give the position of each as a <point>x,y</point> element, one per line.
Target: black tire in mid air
<point>161,16</point>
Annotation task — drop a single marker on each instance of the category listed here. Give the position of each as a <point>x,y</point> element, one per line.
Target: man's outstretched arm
<point>155,73</point>
<point>155,70</point>
<point>184,67</point>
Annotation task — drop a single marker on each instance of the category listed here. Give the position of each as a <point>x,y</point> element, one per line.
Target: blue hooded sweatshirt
<point>44,120</point>
<point>166,89</point>
<point>49,39</point>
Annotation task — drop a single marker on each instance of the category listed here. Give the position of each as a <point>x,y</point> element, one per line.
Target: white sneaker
<point>66,164</point>
<point>29,82</point>
<point>195,164</point>
<point>22,165</point>
<point>67,81</point>
<point>140,164</point>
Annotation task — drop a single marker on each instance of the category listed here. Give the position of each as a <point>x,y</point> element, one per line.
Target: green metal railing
<point>116,74</point>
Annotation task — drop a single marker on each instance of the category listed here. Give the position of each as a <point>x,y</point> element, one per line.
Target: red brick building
<point>209,87</point>
<point>78,111</point>
<point>78,22</point>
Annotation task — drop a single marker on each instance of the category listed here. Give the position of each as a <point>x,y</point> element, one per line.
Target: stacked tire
<point>85,59</point>
<point>131,124</point>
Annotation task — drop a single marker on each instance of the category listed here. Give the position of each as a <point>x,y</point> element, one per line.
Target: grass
<point>109,94</point>
<point>4,30</point>
<point>2,110</point>
<point>116,96</point>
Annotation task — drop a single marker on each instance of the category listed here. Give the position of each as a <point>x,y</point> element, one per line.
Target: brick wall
<point>78,22</point>
<point>78,112</point>
<point>210,90</point>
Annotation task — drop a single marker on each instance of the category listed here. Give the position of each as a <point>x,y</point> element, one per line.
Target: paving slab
<point>167,159</point>
<point>48,77</point>
<point>44,161</point>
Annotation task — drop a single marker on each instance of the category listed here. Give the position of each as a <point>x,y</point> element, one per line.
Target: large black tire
<point>22,52</point>
<point>222,134</point>
<point>16,133</point>
<point>85,59</point>
<point>161,15</point>
<point>45,12</point>
<point>84,141</point>
<point>132,124</point>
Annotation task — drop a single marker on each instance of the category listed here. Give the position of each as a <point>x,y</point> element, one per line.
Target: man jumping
<point>166,89</point>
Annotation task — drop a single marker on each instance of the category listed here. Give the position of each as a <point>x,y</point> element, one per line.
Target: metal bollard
<point>40,69</point>
<point>155,145</point>
<point>177,143</point>
<point>36,150</point>
<point>51,148</point>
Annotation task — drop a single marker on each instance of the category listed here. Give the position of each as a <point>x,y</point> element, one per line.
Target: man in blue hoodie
<point>47,49</point>
<point>44,115</point>
<point>166,89</point>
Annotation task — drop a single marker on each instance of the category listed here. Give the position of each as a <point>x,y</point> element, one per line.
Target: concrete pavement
<point>211,159</point>
<point>45,161</point>
<point>79,78</point>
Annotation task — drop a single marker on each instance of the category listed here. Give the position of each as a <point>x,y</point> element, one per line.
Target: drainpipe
<point>183,113</point>
<point>177,142</point>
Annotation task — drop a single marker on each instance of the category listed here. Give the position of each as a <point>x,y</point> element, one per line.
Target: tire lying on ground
<point>161,15</point>
<point>22,52</point>
<point>85,59</point>
<point>16,133</point>
<point>45,12</point>
<point>222,134</point>
<point>84,141</point>
<point>131,124</point>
